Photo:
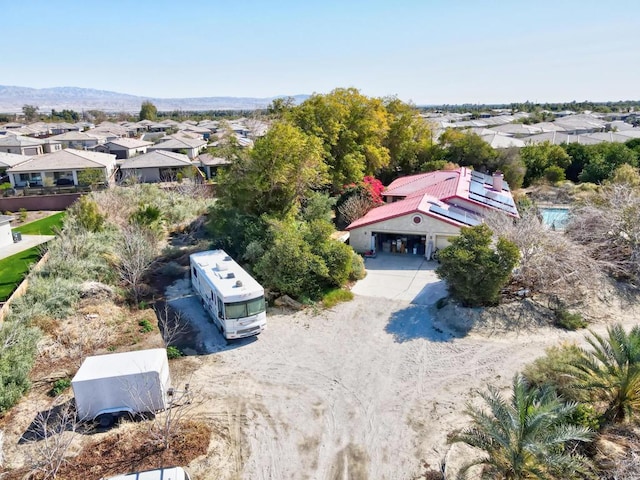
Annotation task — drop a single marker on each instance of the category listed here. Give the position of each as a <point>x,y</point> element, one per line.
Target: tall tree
<point>408,140</point>
<point>280,171</point>
<point>30,112</point>
<point>539,158</point>
<point>525,437</point>
<point>466,149</point>
<point>148,111</point>
<point>352,129</point>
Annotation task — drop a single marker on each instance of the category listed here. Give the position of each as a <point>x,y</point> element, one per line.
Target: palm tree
<point>525,437</point>
<point>611,371</point>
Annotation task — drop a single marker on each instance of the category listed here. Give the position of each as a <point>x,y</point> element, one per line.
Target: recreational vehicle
<point>232,297</point>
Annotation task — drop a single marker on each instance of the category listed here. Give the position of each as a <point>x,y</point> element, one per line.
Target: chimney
<point>497,180</point>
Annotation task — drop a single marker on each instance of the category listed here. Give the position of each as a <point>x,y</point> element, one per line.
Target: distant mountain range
<point>12,99</point>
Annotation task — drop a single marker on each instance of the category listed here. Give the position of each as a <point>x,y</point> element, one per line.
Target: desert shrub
<point>171,269</point>
<point>554,174</point>
<point>569,321</point>
<point>59,386</point>
<point>585,415</point>
<point>173,352</point>
<point>474,271</point>
<point>49,296</point>
<point>335,296</point>
<point>87,214</point>
<point>22,216</point>
<point>552,370</point>
<point>145,326</point>
<point>358,271</point>
<point>338,258</point>
<point>16,359</point>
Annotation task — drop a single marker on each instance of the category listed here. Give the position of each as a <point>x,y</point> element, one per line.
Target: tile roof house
<point>155,166</point>
<point>181,143</point>
<point>21,145</point>
<point>79,140</point>
<point>61,167</point>
<point>210,164</point>
<point>424,211</point>
<point>124,148</point>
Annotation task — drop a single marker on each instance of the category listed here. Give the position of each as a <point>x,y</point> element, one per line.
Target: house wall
<point>360,238</point>
<point>6,238</point>
<point>146,175</point>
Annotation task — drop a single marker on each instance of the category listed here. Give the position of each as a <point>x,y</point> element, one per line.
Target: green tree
<point>148,111</point>
<point>408,139</point>
<point>539,157</point>
<point>605,159</point>
<point>30,112</point>
<point>352,129</point>
<point>475,271</point>
<point>91,176</point>
<point>466,149</point>
<point>278,174</point>
<point>610,371</point>
<point>525,437</point>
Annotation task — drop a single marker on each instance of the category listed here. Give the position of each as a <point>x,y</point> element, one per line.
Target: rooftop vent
<point>230,275</point>
<point>221,266</point>
<point>227,258</point>
<point>238,283</point>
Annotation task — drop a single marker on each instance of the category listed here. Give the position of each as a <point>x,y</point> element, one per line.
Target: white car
<point>173,473</point>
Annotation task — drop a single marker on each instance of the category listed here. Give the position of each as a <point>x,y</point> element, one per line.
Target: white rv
<point>233,298</point>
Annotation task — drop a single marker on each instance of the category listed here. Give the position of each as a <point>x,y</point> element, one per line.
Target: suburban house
<point>21,145</point>
<point>424,211</point>
<point>79,140</point>
<point>210,165</point>
<point>181,144</point>
<point>124,148</point>
<point>6,236</point>
<point>61,168</point>
<point>155,166</point>
<point>8,160</point>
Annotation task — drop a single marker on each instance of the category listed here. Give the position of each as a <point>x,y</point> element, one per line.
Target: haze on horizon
<point>428,52</point>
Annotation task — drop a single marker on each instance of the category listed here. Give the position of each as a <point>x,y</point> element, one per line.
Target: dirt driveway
<point>368,390</point>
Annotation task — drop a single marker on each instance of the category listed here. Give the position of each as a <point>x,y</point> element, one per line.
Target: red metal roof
<point>413,204</point>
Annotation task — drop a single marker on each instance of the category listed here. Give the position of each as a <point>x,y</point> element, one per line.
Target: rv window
<point>195,272</point>
<point>220,311</point>
<point>244,309</point>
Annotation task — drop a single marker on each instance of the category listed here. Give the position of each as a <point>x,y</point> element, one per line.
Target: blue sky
<point>429,52</point>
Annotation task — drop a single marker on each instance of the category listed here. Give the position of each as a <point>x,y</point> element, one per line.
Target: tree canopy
<point>352,129</point>
<point>148,111</point>
<point>475,271</point>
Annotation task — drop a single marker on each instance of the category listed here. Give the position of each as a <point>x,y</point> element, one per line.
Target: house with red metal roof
<point>424,211</point>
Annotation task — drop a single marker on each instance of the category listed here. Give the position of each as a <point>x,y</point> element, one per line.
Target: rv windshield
<point>244,309</point>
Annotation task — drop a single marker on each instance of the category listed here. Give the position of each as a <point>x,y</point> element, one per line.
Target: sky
<point>429,52</point>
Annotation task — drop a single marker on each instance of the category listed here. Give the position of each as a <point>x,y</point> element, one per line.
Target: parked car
<point>64,182</point>
<point>174,473</point>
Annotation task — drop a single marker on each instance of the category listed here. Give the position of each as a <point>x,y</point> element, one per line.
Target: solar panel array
<point>480,193</point>
<point>457,215</point>
<point>488,179</point>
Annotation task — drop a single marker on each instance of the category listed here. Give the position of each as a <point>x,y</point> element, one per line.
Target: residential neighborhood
<point>320,241</point>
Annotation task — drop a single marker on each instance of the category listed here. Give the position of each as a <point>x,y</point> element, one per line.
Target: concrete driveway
<point>401,277</point>
<point>27,242</point>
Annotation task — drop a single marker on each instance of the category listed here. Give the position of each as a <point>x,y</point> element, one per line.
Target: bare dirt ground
<point>32,216</point>
<point>368,390</point>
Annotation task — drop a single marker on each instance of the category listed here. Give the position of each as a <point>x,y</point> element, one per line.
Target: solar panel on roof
<point>461,217</point>
<point>487,201</point>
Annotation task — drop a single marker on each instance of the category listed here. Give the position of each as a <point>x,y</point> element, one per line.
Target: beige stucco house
<point>424,212</point>
<point>61,168</point>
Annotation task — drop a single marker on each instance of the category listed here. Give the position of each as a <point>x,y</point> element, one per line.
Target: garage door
<point>442,241</point>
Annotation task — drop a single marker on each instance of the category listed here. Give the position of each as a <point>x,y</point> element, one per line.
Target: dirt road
<point>368,390</point>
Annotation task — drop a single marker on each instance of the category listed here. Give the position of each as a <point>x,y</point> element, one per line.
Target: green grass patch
<point>333,297</point>
<point>44,226</point>
<point>14,268</point>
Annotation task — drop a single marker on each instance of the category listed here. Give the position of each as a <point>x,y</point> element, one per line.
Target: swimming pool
<point>555,217</point>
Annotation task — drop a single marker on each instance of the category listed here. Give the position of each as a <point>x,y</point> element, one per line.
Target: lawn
<point>44,226</point>
<point>14,268</point>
